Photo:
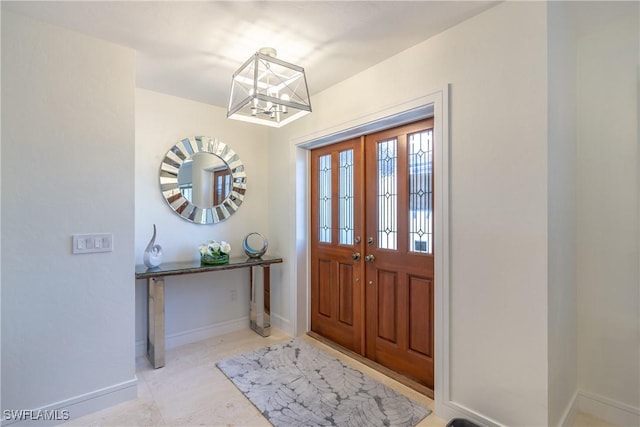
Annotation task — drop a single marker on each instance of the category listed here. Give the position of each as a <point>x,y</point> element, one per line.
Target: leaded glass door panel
<point>337,306</point>
<point>399,250</point>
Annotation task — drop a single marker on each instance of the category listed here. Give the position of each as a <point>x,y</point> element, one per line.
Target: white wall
<point>496,63</point>
<point>197,306</point>
<point>67,167</point>
<point>607,206</point>
<point>562,327</point>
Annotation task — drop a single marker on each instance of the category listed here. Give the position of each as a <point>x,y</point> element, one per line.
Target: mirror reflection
<point>205,180</point>
<point>202,180</point>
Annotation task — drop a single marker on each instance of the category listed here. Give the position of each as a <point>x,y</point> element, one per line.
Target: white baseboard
<point>76,407</point>
<point>569,414</point>
<point>449,410</point>
<point>141,348</point>
<point>281,323</point>
<point>608,410</point>
<point>198,334</point>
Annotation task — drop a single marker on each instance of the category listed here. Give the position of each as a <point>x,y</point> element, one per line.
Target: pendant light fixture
<point>268,91</point>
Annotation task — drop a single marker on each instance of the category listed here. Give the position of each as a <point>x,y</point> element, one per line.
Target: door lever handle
<point>369,258</point>
<point>355,256</point>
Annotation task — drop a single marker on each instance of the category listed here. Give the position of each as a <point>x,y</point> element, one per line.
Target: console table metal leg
<point>155,342</point>
<point>260,305</point>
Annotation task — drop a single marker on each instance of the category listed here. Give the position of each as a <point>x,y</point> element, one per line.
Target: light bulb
<point>284,97</point>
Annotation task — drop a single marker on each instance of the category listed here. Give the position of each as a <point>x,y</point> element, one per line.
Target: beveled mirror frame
<point>173,160</point>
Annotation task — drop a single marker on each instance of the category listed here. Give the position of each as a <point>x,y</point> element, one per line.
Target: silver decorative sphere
<point>253,252</point>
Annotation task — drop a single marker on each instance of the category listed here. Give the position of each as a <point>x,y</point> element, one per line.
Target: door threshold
<point>420,388</point>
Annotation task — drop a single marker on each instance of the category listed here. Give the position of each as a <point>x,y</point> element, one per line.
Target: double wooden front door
<point>372,247</point>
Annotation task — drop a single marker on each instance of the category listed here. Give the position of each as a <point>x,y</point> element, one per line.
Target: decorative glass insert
<point>345,202</point>
<point>388,194</point>
<point>324,196</point>
<point>420,192</point>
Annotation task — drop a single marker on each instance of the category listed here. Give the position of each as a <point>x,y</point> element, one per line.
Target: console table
<point>260,304</point>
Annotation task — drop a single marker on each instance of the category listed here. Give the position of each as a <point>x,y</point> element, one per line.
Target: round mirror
<point>202,180</point>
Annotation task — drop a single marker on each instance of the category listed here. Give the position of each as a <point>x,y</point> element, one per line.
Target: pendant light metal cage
<point>268,91</point>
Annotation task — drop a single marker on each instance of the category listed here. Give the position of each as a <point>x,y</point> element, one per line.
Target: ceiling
<point>191,48</point>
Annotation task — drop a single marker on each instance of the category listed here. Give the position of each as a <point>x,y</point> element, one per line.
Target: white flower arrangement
<point>214,252</point>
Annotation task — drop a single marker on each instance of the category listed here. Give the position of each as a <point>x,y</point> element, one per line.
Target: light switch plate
<point>90,243</point>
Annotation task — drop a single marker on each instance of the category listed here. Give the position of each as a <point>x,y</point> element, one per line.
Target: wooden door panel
<point>420,315</point>
<point>345,295</point>
<point>387,305</point>
<point>401,338</point>
<point>337,311</point>
<point>324,296</point>
<point>399,294</point>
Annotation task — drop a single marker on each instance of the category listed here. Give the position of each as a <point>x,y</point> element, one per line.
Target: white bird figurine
<point>153,253</point>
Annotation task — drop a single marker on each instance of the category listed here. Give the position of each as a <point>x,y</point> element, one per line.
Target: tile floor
<point>190,391</point>
<point>585,420</point>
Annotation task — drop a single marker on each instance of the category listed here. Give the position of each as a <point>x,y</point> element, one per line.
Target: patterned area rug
<point>297,384</point>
